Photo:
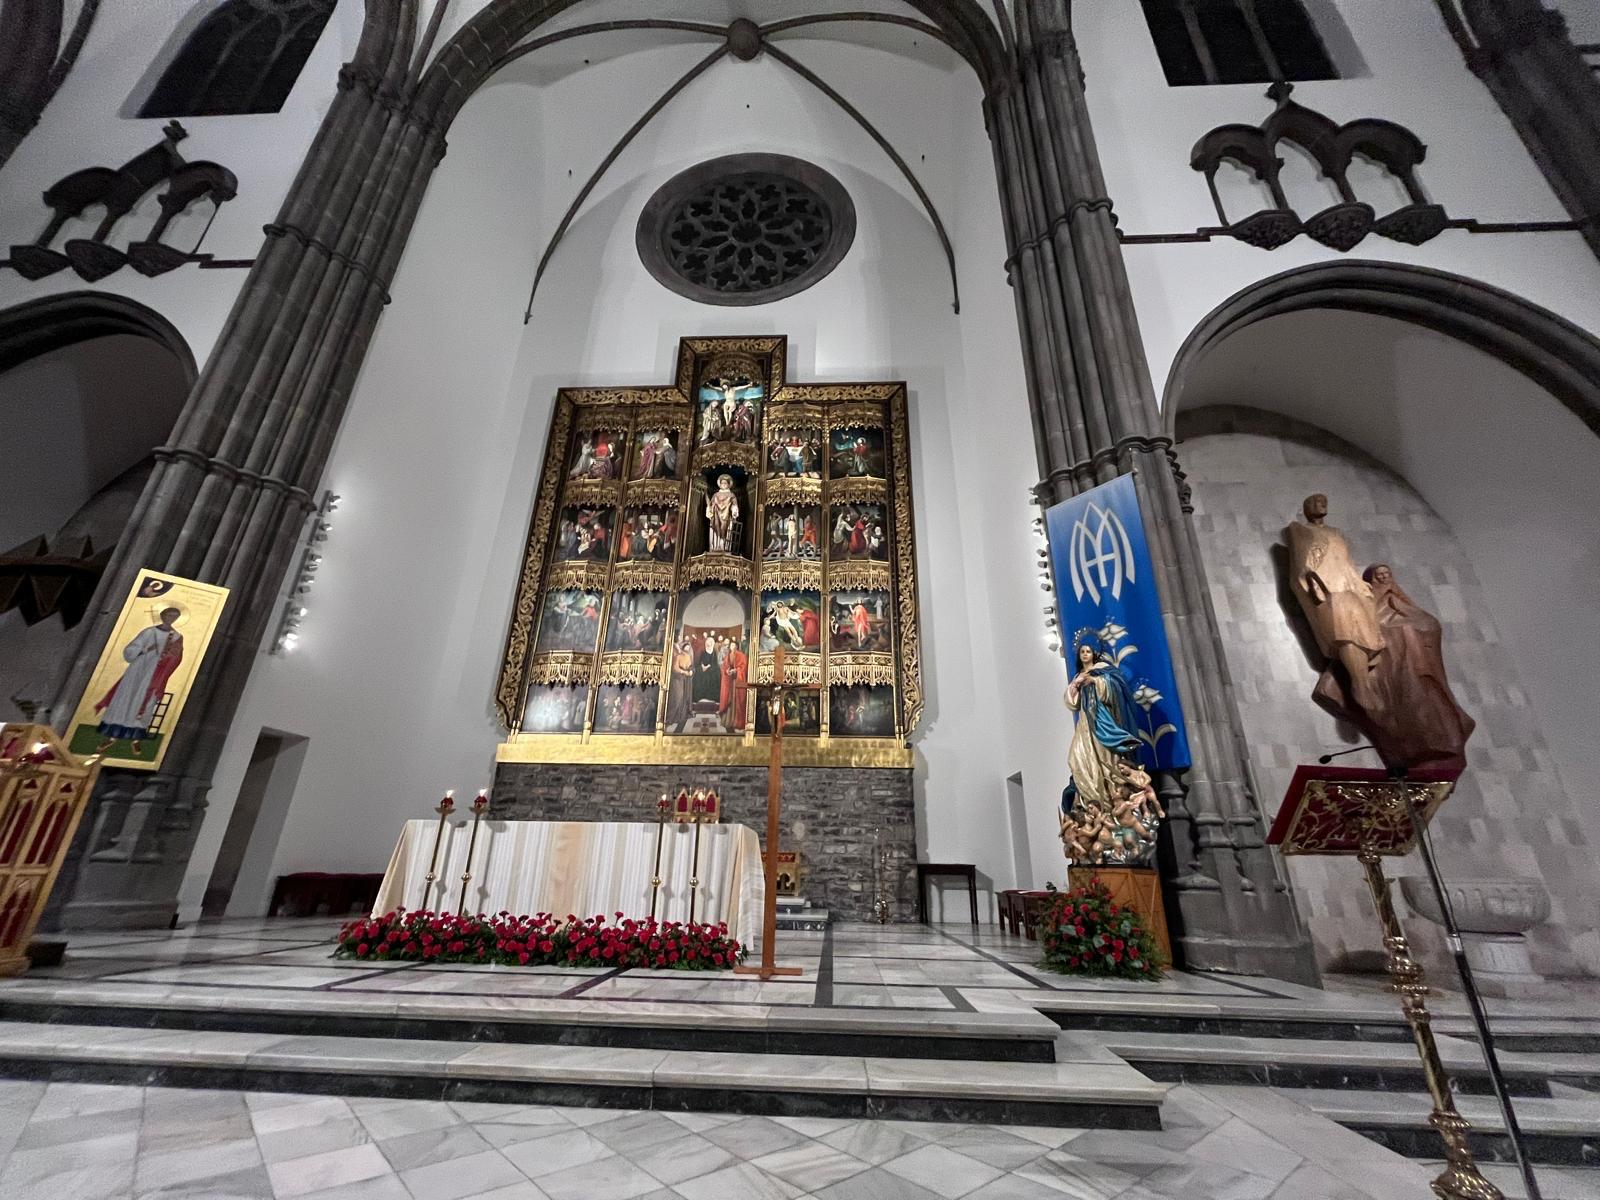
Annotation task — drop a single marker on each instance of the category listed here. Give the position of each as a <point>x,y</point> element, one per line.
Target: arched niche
<point>90,385</point>
<point>1484,407</point>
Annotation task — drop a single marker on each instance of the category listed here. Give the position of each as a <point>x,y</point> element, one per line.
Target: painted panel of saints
<point>649,534</point>
<point>597,456</point>
<point>709,670</point>
<point>794,454</point>
<point>791,531</point>
<point>791,619</point>
<point>638,621</point>
<point>571,620</point>
<point>656,456</point>
<point>856,454</point>
<point>555,708</point>
<point>626,708</point>
<point>730,409</point>
<point>860,531</point>
<point>858,622</point>
<point>866,710</point>
<point>584,534</point>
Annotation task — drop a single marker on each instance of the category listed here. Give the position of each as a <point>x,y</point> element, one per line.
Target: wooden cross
<point>769,923</point>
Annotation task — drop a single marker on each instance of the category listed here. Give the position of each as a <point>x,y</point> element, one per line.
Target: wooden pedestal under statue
<point>1136,888</point>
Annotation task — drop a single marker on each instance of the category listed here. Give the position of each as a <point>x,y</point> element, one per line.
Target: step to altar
<point>1085,1094</point>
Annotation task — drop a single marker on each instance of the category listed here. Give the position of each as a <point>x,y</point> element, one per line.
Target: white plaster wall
<point>440,452</point>
<point>1476,166</point>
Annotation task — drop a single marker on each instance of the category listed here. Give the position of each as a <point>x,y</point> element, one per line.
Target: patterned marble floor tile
<point>751,1137</point>
<point>95,1169</point>
<point>165,1168</point>
<point>876,1184</point>
<point>558,1152</point>
<point>526,1190</point>
<point>638,1130</point>
<point>1309,1182</point>
<point>303,1140</point>
<point>379,1187</point>
<point>810,1166</point>
<point>876,1142</point>
<point>425,1147</point>
<point>253,1184</point>
<point>330,1169</point>
<point>942,1170</point>
<point>993,1145</point>
<point>685,1156</point>
<point>1080,1178</point>
<point>615,1178</point>
<point>457,1177</point>
<point>740,1180</point>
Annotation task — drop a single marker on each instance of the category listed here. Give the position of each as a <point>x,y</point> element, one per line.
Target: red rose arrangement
<point>1082,932</point>
<point>540,940</point>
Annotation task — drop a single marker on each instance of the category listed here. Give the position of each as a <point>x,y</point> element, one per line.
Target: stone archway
<point>1552,352</point>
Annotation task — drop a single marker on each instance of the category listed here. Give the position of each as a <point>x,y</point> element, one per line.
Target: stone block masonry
<point>831,815</point>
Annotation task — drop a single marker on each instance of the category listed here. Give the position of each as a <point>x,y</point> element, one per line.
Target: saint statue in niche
<point>722,518</point>
<point>1386,673</point>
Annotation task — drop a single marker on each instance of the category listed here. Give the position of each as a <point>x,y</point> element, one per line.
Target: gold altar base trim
<point>643,751</point>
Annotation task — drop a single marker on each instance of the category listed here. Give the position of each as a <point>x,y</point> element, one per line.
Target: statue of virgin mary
<point>1104,734</point>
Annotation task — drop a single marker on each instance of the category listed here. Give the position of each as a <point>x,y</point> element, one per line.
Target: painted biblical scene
<point>856,454</point>
<point>597,456</point>
<point>866,710</point>
<point>555,708</point>
<point>134,698</point>
<point>721,515</point>
<point>638,621</point>
<point>626,708</point>
<point>709,671</point>
<point>858,622</point>
<point>860,531</point>
<point>791,619</point>
<point>730,409</point>
<point>584,534</point>
<point>791,531</point>
<point>571,621</point>
<point>794,454</point>
<point>802,711</point>
<point>649,533</point>
<point>656,456</point>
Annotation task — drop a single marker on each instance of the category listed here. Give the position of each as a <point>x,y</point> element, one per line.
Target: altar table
<point>585,868</point>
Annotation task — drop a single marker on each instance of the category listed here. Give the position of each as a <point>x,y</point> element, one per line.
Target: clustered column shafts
<point>235,481</point>
<point>1095,417</point>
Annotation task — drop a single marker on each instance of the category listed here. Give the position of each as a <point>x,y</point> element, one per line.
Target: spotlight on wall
<point>293,615</point>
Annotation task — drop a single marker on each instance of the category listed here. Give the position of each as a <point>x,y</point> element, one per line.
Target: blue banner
<point>1106,595</point>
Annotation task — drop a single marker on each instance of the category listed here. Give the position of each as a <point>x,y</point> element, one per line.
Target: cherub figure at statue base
<point>1118,832</point>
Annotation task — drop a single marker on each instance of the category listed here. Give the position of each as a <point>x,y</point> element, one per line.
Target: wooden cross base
<point>768,972</point>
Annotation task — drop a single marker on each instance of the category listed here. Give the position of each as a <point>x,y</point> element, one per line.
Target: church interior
<point>978,599</point>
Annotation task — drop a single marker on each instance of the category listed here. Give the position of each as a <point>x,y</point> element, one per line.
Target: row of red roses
<point>542,939</point>
<point>1086,932</point>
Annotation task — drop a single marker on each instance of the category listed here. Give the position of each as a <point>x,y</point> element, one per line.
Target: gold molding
<point>859,415</point>
<point>591,492</point>
<point>783,415</point>
<point>666,492</point>
<point>678,415</point>
<point>860,573</point>
<point>690,750</point>
<point>745,455</point>
<point>836,393</point>
<point>590,576</point>
<point>560,666</point>
<point>802,573</point>
<point>903,549</point>
<point>797,668</point>
<point>629,666</point>
<point>642,576</point>
<point>858,490</point>
<point>849,669</point>
<point>794,491</point>
<point>719,568</point>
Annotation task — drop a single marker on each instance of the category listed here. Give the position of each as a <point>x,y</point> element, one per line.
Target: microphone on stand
<point>1325,759</point>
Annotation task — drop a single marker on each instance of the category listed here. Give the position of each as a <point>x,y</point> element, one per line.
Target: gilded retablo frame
<point>833,458</point>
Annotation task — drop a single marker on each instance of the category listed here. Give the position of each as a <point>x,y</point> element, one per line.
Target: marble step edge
<point>543,1010</point>
<point>1459,1055</point>
<point>1408,1110</point>
<point>1069,1083</point>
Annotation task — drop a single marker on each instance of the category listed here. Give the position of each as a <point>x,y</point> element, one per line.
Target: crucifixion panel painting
<point>683,535</point>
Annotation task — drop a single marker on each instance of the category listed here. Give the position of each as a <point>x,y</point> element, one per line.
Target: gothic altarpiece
<point>683,533</point>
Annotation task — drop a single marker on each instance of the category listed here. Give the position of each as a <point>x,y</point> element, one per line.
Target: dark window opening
<point>243,57</point>
<point>1236,41</point>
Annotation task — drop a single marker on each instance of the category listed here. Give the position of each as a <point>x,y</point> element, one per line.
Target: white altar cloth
<point>584,868</point>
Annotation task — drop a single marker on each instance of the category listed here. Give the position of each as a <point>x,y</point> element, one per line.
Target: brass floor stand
<point>1461,1179</point>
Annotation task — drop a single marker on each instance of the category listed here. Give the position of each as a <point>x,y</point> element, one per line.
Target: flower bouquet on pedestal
<point>1084,932</point>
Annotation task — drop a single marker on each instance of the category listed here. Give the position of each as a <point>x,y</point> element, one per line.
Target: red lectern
<point>1371,814</point>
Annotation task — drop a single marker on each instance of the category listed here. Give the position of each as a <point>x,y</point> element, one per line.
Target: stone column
<point>1521,51</point>
<point>234,484</point>
<point>1095,417</point>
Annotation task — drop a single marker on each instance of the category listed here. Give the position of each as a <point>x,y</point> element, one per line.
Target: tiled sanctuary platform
<point>948,1029</point>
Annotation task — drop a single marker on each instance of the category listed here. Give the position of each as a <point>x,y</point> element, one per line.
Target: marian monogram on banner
<point>1106,590</point>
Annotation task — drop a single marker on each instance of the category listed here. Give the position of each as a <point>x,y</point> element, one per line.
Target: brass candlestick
<point>479,807</point>
<point>697,811</point>
<point>444,809</point>
<point>880,871</point>
<point>663,809</point>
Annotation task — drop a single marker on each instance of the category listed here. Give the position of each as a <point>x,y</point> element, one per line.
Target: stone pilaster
<point>1095,417</point>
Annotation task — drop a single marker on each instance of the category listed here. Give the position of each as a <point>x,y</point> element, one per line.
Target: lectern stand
<point>1371,815</point>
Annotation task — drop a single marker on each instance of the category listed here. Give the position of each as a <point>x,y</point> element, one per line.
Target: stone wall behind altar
<point>1510,815</point>
<point>830,815</point>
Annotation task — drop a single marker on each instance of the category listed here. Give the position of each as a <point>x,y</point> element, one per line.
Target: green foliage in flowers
<point>540,940</point>
<point>1083,933</point>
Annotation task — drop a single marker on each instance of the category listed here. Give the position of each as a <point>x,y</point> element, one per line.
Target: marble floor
<point>67,1141</point>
